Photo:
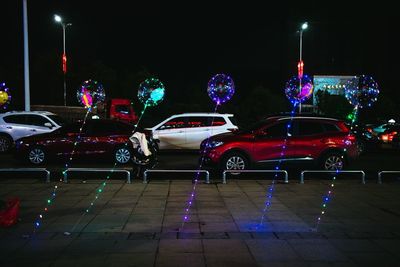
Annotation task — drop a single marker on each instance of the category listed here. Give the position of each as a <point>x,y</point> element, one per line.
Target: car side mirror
<point>48,125</point>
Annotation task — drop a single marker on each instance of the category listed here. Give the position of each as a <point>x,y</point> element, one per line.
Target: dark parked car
<point>388,135</point>
<point>97,138</point>
<point>396,140</point>
<point>366,140</point>
<point>323,141</point>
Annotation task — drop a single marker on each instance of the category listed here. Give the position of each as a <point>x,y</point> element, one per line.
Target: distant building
<point>334,84</point>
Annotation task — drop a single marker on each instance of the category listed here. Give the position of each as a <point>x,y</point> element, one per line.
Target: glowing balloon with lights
<point>90,93</point>
<point>151,92</point>
<point>5,96</point>
<point>299,90</point>
<point>361,91</point>
<point>220,88</point>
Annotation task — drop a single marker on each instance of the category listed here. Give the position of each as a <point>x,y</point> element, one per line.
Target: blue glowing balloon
<point>90,94</point>
<point>151,92</point>
<point>299,90</point>
<point>221,88</point>
<point>5,96</point>
<point>361,91</point>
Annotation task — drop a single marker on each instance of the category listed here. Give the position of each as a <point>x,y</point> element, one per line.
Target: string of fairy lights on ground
<point>151,93</point>
<point>189,203</point>
<point>90,93</point>
<point>271,188</point>
<point>361,92</point>
<point>220,89</point>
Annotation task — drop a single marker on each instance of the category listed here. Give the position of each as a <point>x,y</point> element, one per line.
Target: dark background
<point>119,43</point>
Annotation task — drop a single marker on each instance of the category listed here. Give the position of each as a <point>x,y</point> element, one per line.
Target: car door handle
<point>32,130</point>
<point>9,127</point>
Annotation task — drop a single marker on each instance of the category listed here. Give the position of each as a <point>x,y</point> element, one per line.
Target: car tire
<point>333,161</point>
<point>235,161</point>
<point>122,155</point>
<point>5,143</point>
<point>37,156</point>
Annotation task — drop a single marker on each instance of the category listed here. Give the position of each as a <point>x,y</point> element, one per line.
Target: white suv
<point>187,130</point>
<point>18,124</point>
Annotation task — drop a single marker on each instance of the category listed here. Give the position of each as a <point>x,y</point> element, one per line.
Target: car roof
<point>28,112</point>
<point>208,114</point>
<point>297,117</point>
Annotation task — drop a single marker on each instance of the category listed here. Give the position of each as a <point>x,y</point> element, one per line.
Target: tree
<point>335,106</point>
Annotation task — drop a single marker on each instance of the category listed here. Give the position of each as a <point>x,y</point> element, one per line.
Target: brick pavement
<point>141,224</point>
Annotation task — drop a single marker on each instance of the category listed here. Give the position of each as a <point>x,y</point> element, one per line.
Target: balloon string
<point>189,203</point>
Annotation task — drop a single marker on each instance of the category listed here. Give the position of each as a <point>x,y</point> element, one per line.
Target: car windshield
<point>57,119</point>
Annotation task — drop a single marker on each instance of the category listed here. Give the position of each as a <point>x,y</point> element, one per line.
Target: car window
<point>17,119</point>
<point>277,130</point>
<point>123,128</point>
<point>71,128</point>
<point>36,120</point>
<point>57,119</point>
<point>101,128</point>
<point>330,127</point>
<point>309,128</point>
<point>124,109</point>
<point>198,122</point>
<point>217,121</point>
<point>174,123</point>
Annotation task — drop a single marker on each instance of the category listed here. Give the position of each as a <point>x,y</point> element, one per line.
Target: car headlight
<point>214,144</point>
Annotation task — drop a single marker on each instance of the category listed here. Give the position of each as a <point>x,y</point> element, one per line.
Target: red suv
<point>278,140</point>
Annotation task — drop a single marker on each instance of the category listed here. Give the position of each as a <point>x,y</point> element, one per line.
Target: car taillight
<point>388,137</point>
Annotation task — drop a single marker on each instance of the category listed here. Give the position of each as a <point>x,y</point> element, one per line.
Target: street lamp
<point>300,65</point>
<point>64,25</point>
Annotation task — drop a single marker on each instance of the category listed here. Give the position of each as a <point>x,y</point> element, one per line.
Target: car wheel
<point>36,156</point>
<point>333,161</point>
<point>122,155</point>
<point>5,143</point>
<point>235,161</point>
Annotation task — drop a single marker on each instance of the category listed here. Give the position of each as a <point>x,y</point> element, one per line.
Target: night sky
<point>185,44</point>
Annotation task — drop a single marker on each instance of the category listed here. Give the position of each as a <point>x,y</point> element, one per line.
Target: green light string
<point>51,199</point>
<point>328,196</point>
<point>99,190</point>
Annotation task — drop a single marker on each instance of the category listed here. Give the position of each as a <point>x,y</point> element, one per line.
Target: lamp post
<point>64,25</point>
<point>300,65</point>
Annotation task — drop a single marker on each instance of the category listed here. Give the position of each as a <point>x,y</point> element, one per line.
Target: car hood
<point>234,136</point>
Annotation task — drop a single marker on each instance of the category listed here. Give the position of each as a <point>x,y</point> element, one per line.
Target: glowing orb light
<point>220,88</point>
<point>299,90</point>
<point>90,93</point>
<point>5,96</point>
<point>151,92</point>
<point>361,91</point>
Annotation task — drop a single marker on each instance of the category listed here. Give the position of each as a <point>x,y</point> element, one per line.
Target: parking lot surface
<point>142,224</point>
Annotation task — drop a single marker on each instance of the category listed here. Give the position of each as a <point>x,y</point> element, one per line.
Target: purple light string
<point>196,179</point>
<point>50,200</point>
<point>271,188</point>
<point>328,196</point>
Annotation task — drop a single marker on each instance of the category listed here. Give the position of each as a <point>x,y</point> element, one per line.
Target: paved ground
<point>141,224</point>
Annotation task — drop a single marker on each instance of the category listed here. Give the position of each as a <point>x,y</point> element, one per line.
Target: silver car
<point>18,124</point>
